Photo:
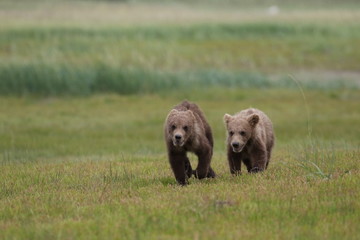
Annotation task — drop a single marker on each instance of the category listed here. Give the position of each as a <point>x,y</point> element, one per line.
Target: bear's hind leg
<point>268,158</point>
<point>188,168</point>
<point>211,173</point>
<point>247,163</point>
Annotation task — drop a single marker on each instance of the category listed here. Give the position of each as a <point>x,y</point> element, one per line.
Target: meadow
<point>85,88</point>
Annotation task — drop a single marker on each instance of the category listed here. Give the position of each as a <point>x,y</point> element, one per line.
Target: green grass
<point>81,62</point>
<point>59,127</point>
<point>86,55</point>
<point>96,168</point>
<point>85,88</point>
<point>65,81</point>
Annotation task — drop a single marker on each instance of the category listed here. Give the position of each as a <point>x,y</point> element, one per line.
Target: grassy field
<point>85,88</point>
<point>96,168</point>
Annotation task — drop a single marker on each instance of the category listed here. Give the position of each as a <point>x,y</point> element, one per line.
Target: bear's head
<point>179,126</point>
<point>239,130</point>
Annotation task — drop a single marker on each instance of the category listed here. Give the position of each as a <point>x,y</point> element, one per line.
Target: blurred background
<point>90,77</point>
<point>52,48</point>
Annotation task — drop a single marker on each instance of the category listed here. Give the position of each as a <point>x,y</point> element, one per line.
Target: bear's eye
<point>242,133</point>
<point>173,127</point>
<point>231,133</point>
<point>185,128</point>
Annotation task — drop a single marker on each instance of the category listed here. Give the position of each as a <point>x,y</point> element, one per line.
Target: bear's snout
<point>235,144</point>
<point>178,140</point>
<point>237,147</point>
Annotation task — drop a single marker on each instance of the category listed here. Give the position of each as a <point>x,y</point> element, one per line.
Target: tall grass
<point>44,80</point>
<point>174,32</point>
<point>75,61</point>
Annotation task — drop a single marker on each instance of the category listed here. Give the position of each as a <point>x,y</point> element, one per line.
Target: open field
<point>96,168</point>
<point>85,87</point>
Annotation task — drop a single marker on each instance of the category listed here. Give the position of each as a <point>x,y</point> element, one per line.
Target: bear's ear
<point>253,119</point>
<point>227,118</point>
<point>191,114</point>
<point>173,111</point>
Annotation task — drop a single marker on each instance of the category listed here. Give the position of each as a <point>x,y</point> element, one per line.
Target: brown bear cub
<point>250,140</point>
<point>186,130</point>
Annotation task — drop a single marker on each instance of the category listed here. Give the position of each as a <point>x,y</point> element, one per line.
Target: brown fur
<point>188,123</point>
<point>250,140</point>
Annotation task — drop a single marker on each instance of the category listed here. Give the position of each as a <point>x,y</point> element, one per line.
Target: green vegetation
<point>85,87</point>
<point>86,56</point>
<point>125,61</point>
<point>96,168</point>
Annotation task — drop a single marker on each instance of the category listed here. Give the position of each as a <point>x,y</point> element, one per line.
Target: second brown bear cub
<point>186,130</point>
<point>250,140</point>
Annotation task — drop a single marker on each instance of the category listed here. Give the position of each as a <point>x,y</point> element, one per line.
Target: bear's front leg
<point>177,162</point>
<point>258,159</point>
<point>204,164</point>
<point>234,160</point>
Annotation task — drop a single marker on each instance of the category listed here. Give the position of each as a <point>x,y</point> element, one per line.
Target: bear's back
<point>264,127</point>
